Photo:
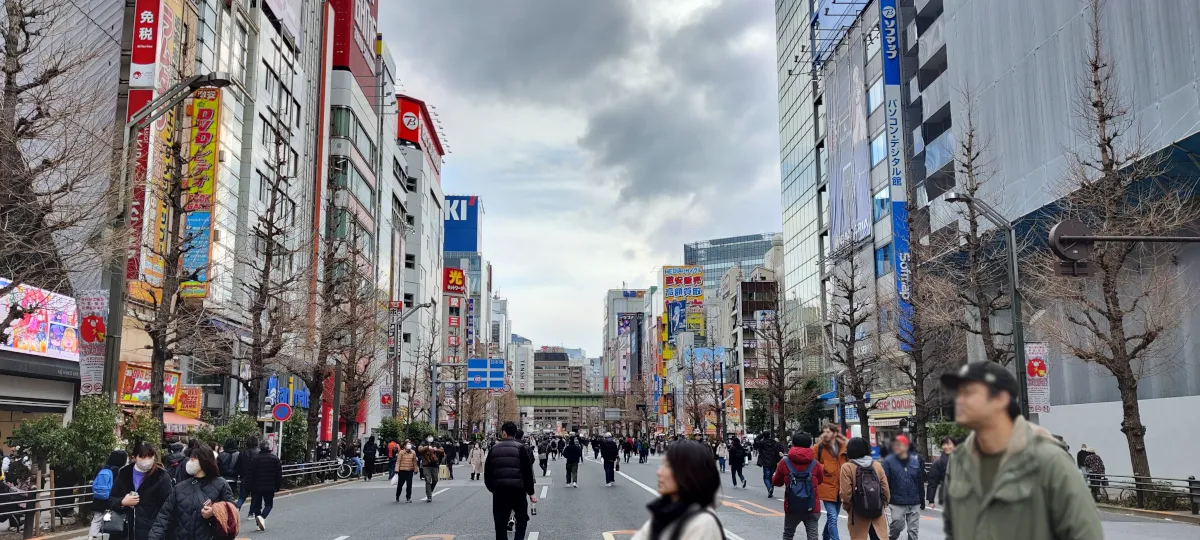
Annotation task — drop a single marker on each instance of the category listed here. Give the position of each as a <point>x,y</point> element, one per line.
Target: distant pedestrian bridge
<point>560,399</point>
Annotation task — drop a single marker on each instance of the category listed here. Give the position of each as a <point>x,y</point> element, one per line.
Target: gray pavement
<point>461,510</point>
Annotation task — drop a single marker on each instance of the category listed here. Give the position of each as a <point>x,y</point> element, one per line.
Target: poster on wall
<point>1037,372</point>
<point>48,328</point>
<point>135,385</point>
<point>849,158</point>
<point>676,319</point>
<point>93,315</point>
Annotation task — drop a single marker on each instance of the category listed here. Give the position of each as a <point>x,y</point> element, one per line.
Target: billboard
<point>462,223</point>
<point>135,385</point>
<point>93,312</point>
<point>199,188</point>
<point>50,328</point>
<point>849,151</point>
<point>415,126</point>
<point>354,30</point>
<point>144,56</point>
<point>676,319</point>
<point>454,281</point>
<point>1037,371</point>
<point>683,284</point>
<point>889,25</point>
<point>190,401</point>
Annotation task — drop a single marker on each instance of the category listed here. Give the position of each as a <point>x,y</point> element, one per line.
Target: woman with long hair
<point>188,512</point>
<point>139,490</point>
<point>688,482</point>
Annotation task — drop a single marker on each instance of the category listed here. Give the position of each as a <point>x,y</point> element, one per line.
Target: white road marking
<point>544,490</point>
<point>643,486</point>
<point>729,534</point>
<point>341,538</point>
<point>440,491</point>
<point>533,535</point>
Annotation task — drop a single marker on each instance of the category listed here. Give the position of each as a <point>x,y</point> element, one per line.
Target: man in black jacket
<point>769,454</point>
<point>266,477</point>
<point>508,475</point>
<point>573,453</point>
<point>610,453</point>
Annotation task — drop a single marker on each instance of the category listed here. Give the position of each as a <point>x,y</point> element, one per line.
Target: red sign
<point>141,159</point>
<point>452,341</point>
<point>355,27</point>
<point>453,321</point>
<point>415,126</point>
<point>281,412</point>
<point>454,281</point>
<point>455,301</point>
<point>897,403</point>
<point>144,57</point>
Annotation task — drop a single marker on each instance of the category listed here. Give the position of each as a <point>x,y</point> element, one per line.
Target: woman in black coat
<point>187,513</point>
<point>370,450</point>
<point>139,497</point>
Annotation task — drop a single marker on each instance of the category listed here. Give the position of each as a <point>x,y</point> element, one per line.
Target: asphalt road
<point>461,510</point>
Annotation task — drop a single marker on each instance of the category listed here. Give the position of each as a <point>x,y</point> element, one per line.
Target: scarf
<point>864,461</point>
<point>664,512</point>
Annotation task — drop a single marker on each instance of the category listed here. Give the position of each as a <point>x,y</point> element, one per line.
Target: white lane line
<point>533,535</point>
<point>643,486</point>
<point>341,538</point>
<point>544,490</point>
<point>440,491</point>
<point>729,534</point>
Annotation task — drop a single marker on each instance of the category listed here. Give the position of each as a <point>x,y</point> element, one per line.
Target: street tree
<point>850,342</point>
<point>781,350</point>
<point>1125,317</point>
<point>55,188</point>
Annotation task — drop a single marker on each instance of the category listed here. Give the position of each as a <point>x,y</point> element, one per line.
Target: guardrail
<point>1147,493</point>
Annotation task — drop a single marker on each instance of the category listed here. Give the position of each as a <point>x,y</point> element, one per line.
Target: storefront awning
<point>884,422</point>
<point>174,423</point>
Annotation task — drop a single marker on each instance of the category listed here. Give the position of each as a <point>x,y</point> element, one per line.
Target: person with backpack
<point>769,454</point>
<point>864,490</point>
<point>800,474</point>
<point>188,512</point>
<point>139,490</point>
<point>1010,468</point>
<point>688,483</point>
<point>831,454</point>
<point>245,457</point>
<point>905,473</point>
<point>102,487</point>
<point>266,478</point>
<point>737,460</point>
<point>174,462</point>
<point>543,449</point>
<point>228,460</point>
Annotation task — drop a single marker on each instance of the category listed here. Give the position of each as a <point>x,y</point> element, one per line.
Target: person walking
<point>102,489</point>
<point>370,451</point>
<point>687,487</point>
<point>229,461</point>
<point>573,454</point>
<point>508,476</point>
<point>431,457</point>
<point>475,459</point>
<point>595,448</point>
<point>543,455</point>
<point>863,487</point>
<point>451,449</point>
<point>139,490</point>
<point>1010,478</point>
<point>831,454</point>
<point>187,513</point>
<point>245,456</point>
<point>1095,475</point>
<point>643,447</point>
<point>405,468</point>
<point>737,460</point>
<point>391,448</point>
<point>610,454</point>
<point>464,450</point>
<point>937,474</point>
<point>769,454</point>
<point>905,471</point>
<point>722,455</point>
<point>265,479</point>
<point>799,473</point>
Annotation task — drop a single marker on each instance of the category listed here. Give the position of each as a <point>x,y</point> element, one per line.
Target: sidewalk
<point>1181,516</point>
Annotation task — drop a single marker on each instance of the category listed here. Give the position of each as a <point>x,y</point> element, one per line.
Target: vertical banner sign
<point>894,124</point>
<point>93,314</point>
<point>198,189</point>
<point>138,98</point>
<point>144,56</point>
<point>1037,373</point>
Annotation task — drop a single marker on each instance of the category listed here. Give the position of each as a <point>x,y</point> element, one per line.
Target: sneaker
<point>408,500</point>
<point>575,484</point>
<point>743,483</point>
<point>260,522</point>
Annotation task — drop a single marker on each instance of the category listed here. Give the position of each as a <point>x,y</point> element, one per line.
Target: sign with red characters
<point>144,57</point>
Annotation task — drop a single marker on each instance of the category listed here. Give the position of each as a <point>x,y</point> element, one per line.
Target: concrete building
<point>500,333</point>
<point>463,248</point>
<point>553,372</point>
<point>520,357</point>
<point>624,317</point>
<point>720,254</point>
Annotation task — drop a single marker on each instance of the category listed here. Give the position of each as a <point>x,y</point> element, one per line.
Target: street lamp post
<point>1014,291</point>
<point>114,274</point>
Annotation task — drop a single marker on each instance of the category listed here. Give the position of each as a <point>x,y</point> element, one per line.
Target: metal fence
<point>1149,493</point>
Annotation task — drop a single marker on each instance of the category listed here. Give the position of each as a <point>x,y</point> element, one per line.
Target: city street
<point>462,511</point>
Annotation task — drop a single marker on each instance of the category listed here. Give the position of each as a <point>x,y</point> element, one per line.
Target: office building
<point>720,254</point>
<point>553,372</point>
<point>624,317</point>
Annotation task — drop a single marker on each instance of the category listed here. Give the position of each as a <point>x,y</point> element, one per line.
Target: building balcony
<point>928,8</point>
<point>933,39</point>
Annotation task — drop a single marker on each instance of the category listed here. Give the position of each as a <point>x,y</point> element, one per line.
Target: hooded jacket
<point>800,458</point>
<point>154,490</point>
<point>1038,493</point>
<point>180,519</point>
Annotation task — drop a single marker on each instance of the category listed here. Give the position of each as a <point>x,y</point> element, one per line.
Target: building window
<point>883,261</point>
<point>875,96</point>
<point>410,260</point>
<point>878,149</point>
<point>873,42</point>
<point>408,300</point>
<point>406,337</point>
<point>346,175</point>
<point>882,206</point>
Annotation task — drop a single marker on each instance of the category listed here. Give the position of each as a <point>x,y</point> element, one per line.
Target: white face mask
<point>144,464</point>
<point>428,439</point>
<point>193,467</point>
<point>408,446</point>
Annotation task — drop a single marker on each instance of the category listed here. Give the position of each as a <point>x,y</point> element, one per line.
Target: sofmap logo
<point>890,41</point>
<point>456,210</point>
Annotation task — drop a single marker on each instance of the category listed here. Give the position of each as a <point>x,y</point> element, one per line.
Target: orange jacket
<point>828,490</point>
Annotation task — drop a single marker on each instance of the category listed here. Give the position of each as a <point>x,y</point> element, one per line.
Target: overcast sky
<point>601,136</point>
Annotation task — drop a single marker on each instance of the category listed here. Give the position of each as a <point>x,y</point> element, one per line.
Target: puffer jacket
<point>573,453</point>
<point>153,492</point>
<point>508,468</point>
<point>406,460</point>
<point>266,473</point>
<point>906,479</point>
<point>769,453</point>
<point>1038,493</point>
<point>179,518</point>
<point>608,450</point>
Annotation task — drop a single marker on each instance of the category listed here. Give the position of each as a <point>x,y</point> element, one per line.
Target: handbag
<point>112,523</point>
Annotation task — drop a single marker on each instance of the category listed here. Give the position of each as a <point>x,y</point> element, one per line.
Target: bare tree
<point>363,303</point>
<point>54,181</point>
<point>426,353</point>
<point>850,343</point>
<point>1124,316</point>
<point>698,400</point>
<point>780,347</point>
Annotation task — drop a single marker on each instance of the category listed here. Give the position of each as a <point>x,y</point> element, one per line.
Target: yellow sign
<point>199,189</point>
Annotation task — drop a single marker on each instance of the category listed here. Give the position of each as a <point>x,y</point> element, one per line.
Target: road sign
<point>281,412</point>
<point>485,373</point>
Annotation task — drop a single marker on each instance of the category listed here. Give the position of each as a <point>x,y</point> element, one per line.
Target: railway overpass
<point>562,399</point>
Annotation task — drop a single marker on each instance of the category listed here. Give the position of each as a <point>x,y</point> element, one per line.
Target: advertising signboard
<point>50,328</point>
<point>683,284</point>
<point>144,56</point>
<point>190,401</point>
<point>889,26</point>
<point>199,188</point>
<point>135,385</point>
<point>462,223</point>
<point>93,314</point>
<point>454,281</point>
<point>415,126</point>
<point>1037,371</point>
<point>676,319</point>
<point>354,30</point>
<point>849,156</point>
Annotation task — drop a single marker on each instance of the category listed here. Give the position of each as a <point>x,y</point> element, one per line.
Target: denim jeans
<point>767,474</point>
<point>736,472</point>
<point>358,465</point>
<point>721,460</point>
<point>261,504</point>
<point>831,520</point>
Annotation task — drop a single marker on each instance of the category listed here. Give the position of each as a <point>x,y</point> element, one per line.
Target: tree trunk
<point>253,403</point>
<point>1132,426</point>
<point>158,366</point>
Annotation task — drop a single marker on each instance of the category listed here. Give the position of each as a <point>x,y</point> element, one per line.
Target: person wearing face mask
<point>187,513</point>
<point>139,490</point>
<point>406,467</point>
<point>266,477</point>
<point>102,489</point>
<point>431,458</point>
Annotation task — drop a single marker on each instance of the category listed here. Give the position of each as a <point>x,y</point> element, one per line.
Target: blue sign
<point>282,394</point>
<point>889,26</point>
<point>485,373</point>
<point>462,224</point>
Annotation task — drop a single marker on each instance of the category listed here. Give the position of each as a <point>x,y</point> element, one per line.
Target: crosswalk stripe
<point>533,535</point>
<point>544,490</point>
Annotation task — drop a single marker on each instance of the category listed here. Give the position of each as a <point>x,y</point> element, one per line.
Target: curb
<point>1154,514</point>
<point>73,533</point>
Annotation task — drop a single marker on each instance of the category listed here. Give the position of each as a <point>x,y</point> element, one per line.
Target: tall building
<point>624,317</point>
<point>463,248</point>
<point>718,255</point>
<point>553,372</point>
<point>520,358</point>
<point>500,328</point>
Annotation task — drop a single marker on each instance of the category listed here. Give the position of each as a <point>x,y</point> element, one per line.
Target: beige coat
<point>475,458</point>
<point>859,526</point>
<point>702,526</point>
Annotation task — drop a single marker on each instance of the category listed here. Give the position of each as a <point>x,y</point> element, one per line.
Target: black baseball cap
<point>989,373</point>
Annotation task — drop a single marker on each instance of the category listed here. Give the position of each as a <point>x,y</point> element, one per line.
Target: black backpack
<point>867,499</point>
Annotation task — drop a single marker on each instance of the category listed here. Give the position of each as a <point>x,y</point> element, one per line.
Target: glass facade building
<point>717,256</point>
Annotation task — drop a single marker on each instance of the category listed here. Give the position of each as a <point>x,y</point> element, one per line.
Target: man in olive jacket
<point>1010,478</point>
